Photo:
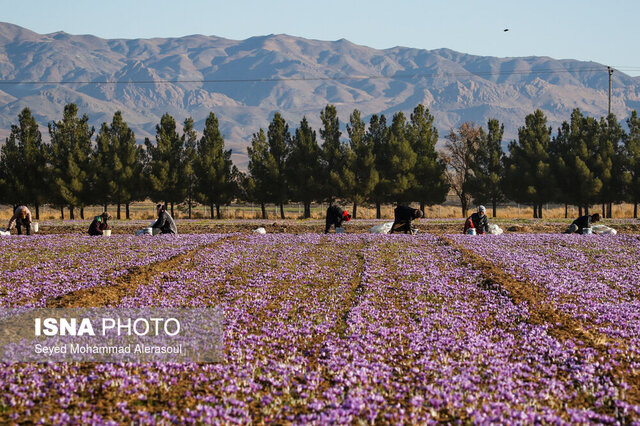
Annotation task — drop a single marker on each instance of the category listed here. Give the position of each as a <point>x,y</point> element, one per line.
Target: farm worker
<point>165,222</point>
<point>403,216</point>
<point>579,225</point>
<point>21,217</point>
<point>335,216</point>
<point>478,220</point>
<point>99,224</point>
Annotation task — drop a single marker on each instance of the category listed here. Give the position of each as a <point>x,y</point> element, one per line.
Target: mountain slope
<point>245,82</point>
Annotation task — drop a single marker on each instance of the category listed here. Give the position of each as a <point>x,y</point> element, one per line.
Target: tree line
<point>587,162</point>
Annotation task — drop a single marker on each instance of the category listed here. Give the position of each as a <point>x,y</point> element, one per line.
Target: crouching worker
<point>580,224</point>
<point>165,222</point>
<point>335,216</point>
<point>403,216</point>
<point>478,220</point>
<point>21,217</point>
<point>99,224</point>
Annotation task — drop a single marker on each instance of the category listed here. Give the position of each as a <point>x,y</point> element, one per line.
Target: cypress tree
<point>278,139</point>
<point>632,156</point>
<point>333,154</point>
<point>71,160</point>
<point>528,174</point>
<point>215,185</point>
<point>259,179</point>
<point>360,174</point>
<point>303,167</point>
<point>431,186</point>
<point>166,159</point>
<point>23,161</point>
<point>377,137</point>
<point>487,166</point>
<point>188,175</point>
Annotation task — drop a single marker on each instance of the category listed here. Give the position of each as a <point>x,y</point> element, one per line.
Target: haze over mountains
<point>244,82</point>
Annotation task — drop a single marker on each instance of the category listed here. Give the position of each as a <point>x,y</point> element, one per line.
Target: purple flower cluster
<point>337,329</point>
<point>41,267</point>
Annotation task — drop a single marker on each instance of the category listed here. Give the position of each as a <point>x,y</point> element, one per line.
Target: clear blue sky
<point>602,31</point>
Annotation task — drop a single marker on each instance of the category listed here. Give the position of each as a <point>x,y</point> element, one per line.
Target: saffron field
<point>344,328</point>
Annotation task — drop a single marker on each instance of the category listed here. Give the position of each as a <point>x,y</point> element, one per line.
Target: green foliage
<point>631,150</point>
<point>303,168</point>
<point>333,154</point>
<point>213,167</point>
<point>117,160</point>
<point>165,163</point>
<point>487,165</point>
<point>430,184</point>
<point>71,159</point>
<point>359,173</point>
<point>528,175</point>
<point>23,160</point>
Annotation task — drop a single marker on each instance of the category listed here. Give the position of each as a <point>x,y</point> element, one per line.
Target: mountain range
<point>244,82</point>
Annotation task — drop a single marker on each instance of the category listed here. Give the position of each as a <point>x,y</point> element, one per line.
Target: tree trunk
<point>610,210</point>
<point>105,207</point>
<point>264,211</point>
<point>464,205</point>
<point>172,214</point>
<point>37,211</point>
<point>535,211</point>
<point>307,209</point>
<point>635,210</point>
<point>495,208</point>
<point>127,211</point>
<point>118,214</point>
<point>71,215</point>
<point>355,210</point>
<point>211,211</point>
<point>82,213</point>
<point>540,211</point>
<point>378,215</point>
<point>61,213</point>
<point>579,211</point>
<point>189,207</point>
<point>281,210</point>
<point>566,210</point>
<point>218,211</point>
<point>604,210</point>
<point>586,209</point>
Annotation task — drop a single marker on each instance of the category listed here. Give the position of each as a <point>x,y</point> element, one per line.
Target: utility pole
<point>610,74</point>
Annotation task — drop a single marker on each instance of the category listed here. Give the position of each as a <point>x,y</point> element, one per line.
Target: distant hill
<point>245,82</point>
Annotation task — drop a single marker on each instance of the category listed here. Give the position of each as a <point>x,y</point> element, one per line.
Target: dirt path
<point>560,325</point>
<point>126,285</point>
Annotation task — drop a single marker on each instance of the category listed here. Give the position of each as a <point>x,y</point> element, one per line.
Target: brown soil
<point>124,285</point>
<point>560,325</point>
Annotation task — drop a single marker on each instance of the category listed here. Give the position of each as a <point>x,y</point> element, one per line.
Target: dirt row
<point>560,325</point>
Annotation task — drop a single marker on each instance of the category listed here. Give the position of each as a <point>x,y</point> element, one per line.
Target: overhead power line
<point>320,78</point>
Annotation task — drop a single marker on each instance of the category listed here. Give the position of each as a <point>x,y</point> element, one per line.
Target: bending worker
<point>579,225</point>
<point>99,224</point>
<point>165,222</point>
<point>478,220</point>
<point>21,217</point>
<point>403,216</point>
<point>335,216</point>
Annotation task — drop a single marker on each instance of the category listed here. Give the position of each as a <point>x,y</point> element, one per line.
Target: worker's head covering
<point>105,216</point>
<point>482,209</point>
<point>417,213</point>
<point>346,216</point>
<point>595,217</point>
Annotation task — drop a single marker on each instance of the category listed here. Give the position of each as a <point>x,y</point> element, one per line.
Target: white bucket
<point>106,232</point>
<point>34,227</point>
<point>471,231</point>
<point>587,231</point>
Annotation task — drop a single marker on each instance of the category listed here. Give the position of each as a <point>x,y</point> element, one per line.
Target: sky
<point>602,31</point>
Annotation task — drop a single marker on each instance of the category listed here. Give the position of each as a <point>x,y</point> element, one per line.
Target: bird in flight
<point>506,29</point>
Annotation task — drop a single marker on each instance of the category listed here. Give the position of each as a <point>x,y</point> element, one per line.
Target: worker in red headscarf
<point>335,216</point>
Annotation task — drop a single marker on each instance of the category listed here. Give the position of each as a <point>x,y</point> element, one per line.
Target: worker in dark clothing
<point>581,223</point>
<point>403,216</point>
<point>165,222</point>
<point>99,224</point>
<point>335,216</point>
<point>21,217</point>
<point>479,221</point>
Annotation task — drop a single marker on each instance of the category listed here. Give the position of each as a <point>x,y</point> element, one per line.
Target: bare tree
<point>461,147</point>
